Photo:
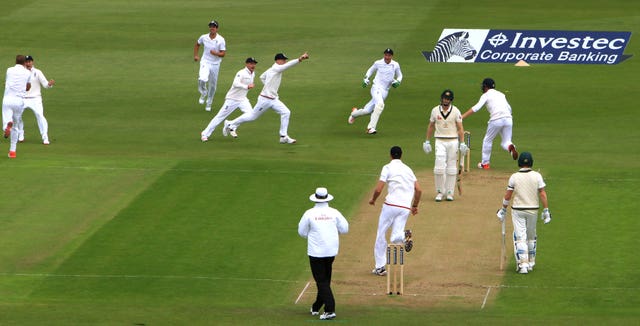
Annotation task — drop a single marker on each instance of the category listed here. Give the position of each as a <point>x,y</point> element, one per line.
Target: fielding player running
<point>403,197</point>
<point>445,123</point>
<point>526,188</point>
<point>236,97</point>
<point>269,99</point>
<point>388,74</point>
<point>321,226</point>
<point>16,85</point>
<point>500,121</point>
<point>215,49</point>
<point>33,100</point>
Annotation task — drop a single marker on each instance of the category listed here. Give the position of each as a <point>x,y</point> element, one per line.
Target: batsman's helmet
<point>488,83</point>
<point>525,159</point>
<point>448,94</point>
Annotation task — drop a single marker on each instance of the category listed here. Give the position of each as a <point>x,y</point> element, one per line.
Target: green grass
<point>127,218</point>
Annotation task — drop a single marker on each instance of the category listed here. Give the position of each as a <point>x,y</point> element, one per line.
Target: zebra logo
<point>454,44</point>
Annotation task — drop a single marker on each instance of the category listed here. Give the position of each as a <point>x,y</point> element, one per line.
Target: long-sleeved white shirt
<point>272,78</point>
<point>385,73</point>
<point>16,80</point>
<point>240,86</point>
<point>321,226</point>
<point>496,103</point>
<point>38,80</point>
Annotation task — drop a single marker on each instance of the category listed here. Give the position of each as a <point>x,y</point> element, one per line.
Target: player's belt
<point>525,208</point>
<point>271,98</point>
<point>405,207</point>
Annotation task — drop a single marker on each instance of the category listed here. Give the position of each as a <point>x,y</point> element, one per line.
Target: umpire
<point>321,226</point>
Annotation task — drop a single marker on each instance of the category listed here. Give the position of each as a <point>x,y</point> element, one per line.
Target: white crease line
<point>485,298</point>
<point>302,293</point>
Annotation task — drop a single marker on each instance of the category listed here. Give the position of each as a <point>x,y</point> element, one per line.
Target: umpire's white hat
<point>321,195</point>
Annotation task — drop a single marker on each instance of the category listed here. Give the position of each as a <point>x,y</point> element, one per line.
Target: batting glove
<point>463,148</point>
<point>501,213</point>
<point>545,216</point>
<point>426,146</point>
<point>365,83</point>
<point>395,84</point>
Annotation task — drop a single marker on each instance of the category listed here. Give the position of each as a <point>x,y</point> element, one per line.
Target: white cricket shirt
<point>15,84</point>
<point>385,73</point>
<point>496,103</point>
<point>525,184</point>
<point>321,225</point>
<point>240,86</point>
<point>272,78</point>
<point>445,123</point>
<point>38,80</point>
<point>400,181</point>
<point>217,43</point>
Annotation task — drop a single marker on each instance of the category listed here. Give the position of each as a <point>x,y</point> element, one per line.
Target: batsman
<point>445,123</point>
<point>526,189</point>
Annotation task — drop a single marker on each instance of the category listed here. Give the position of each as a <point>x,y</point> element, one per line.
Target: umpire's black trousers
<point>321,269</point>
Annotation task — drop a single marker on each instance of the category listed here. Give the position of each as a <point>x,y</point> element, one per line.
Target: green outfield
<point>127,218</point>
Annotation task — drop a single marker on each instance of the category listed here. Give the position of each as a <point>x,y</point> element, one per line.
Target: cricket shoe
<point>201,99</point>
<point>45,141</point>
<point>314,313</point>
<point>449,197</point>
<point>208,109</point>
<point>226,128</point>
<point>531,264</point>
<point>439,197</point>
<point>7,130</point>
<point>483,166</point>
<point>287,140</point>
<point>408,242</point>
<point>12,154</point>
<point>523,268</point>
<point>513,151</point>
<point>379,271</point>
<point>371,131</point>
<point>204,138</point>
<point>328,316</point>
<point>352,119</point>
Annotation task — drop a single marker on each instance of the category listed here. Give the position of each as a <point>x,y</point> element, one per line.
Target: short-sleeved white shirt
<point>385,73</point>
<point>400,181</point>
<point>526,185</point>
<point>321,226</point>
<point>15,84</point>
<point>217,43</point>
<point>496,103</point>
<point>445,123</point>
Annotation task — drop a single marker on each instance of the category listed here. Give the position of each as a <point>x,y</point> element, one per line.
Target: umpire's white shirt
<point>400,181</point>
<point>38,80</point>
<point>240,86</point>
<point>272,78</point>
<point>321,225</point>
<point>385,73</point>
<point>217,43</point>
<point>496,103</point>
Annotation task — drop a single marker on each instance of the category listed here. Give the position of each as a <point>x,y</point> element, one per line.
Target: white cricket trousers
<point>35,104</point>
<point>12,108</point>
<point>524,234</point>
<point>378,95</point>
<point>394,217</point>
<point>208,74</point>
<point>262,105</point>
<point>502,127</point>
<point>227,108</point>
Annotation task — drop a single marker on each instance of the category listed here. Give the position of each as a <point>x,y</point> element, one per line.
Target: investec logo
<point>508,46</point>
<point>554,47</point>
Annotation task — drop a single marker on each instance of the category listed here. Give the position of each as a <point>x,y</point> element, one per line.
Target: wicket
<point>467,158</point>
<point>392,266</point>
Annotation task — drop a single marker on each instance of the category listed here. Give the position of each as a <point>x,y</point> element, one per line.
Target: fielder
<point>526,188</point>
<point>403,197</point>
<point>269,99</point>
<point>33,101</point>
<point>16,85</point>
<point>236,97</point>
<point>445,123</point>
<point>500,121</point>
<point>215,49</point>
<point>388,74</point>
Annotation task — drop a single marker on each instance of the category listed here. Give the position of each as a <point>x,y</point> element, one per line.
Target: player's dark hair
<point>396,152</point>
